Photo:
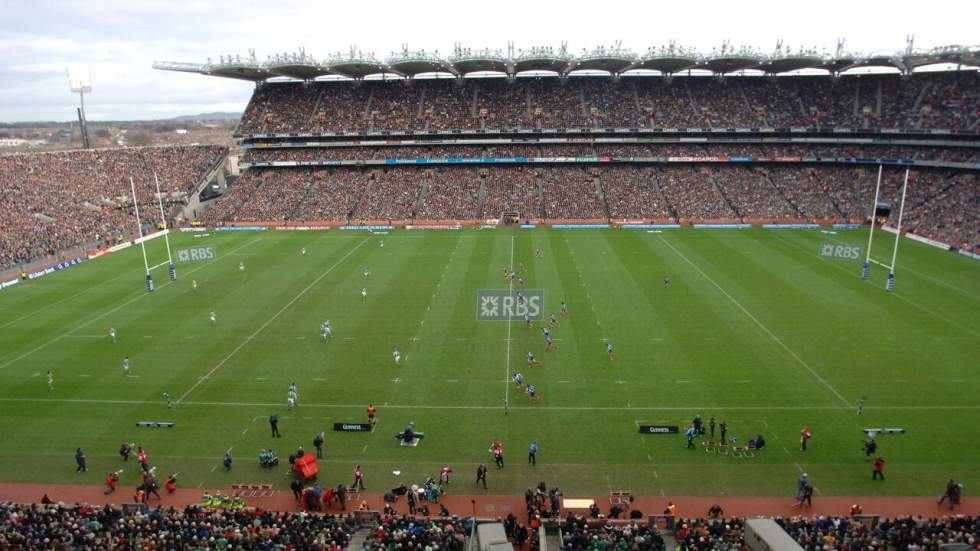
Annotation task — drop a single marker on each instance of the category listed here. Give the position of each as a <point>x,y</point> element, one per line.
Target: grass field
<point>756,329</point>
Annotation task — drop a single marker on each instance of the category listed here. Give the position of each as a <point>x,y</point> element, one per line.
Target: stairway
<point>358,538</point>
<point>768,179</point>
<point>721,192</point>
<point>481,196</point>
<point>542,212</point>
<point>602,195</point>
<point>421,198</point>
<point>663,198</point>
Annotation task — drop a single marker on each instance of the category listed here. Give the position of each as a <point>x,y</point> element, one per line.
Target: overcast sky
<point>119,40</point>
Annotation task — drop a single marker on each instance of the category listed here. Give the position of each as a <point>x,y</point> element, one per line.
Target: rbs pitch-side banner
<point>195,254</point>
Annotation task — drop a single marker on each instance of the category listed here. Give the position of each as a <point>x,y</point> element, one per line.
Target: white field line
<point>415,338</point>
<point>76,295</point>
<point>510,326</point>
<point>269,321</point>
<point>898,295</point>
<point>762,326</point>
<point>619,408</point>
<point>66,299</point>
<point>107,312</point>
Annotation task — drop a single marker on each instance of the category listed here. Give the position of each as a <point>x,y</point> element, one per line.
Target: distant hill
<point>202,117</point>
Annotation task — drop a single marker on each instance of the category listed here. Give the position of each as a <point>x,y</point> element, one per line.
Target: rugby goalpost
<point>142,240</point>
<point>866,273</point>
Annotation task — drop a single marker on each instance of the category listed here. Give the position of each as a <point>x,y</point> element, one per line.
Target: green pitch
<point>756,329</point>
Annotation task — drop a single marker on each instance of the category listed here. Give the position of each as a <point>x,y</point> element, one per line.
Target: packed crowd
<point>665,150</point>
<point>50,202</point>
<point>692,192</point>
<point>710,534</point>
<point>409,533</point>
<point>570,193</point>
<point>907,533</point>
<point>923,101</point>
<point>629,193</point>
<point>577,535</point>
<point>940,204</point>
<point>752,194</point>
<point>77,526</point>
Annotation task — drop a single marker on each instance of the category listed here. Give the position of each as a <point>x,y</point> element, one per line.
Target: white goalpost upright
<point>166,236</point>
<point>890,282</point>
<point>139,228</point>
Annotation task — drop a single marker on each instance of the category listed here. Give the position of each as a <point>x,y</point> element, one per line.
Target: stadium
<point>701,300</point>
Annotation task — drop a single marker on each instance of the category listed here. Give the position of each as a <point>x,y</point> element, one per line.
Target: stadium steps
<point>690,97</point>
<point>540,187</point>
<point>529,101</point>
<point>421,109</point>
<point>316,108</point>
<point>423,193</point>
<point>367,104</point>
<point>358,538</point>
<point>779,190</point>
<point>481,196</point>
<point>655,185</point>
<point>917,106</point>
<point>551,540</point>
<point>721,193</point>
<point>670,542</point>
<point>602,195</point>
<point>475,103</point>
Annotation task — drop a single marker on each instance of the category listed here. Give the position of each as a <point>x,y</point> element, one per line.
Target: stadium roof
<point>614,60</point>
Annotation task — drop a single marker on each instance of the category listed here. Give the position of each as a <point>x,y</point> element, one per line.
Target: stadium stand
<point>899,533</point>
<point>921,101</point>
<point>411,533</point>
<point>80,526</point>
<point>50,202</point>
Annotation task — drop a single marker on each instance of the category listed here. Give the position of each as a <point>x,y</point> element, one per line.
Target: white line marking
<point>510,326</point>
<point>261,378</point>
<point>86,375</point>
<point>897,295</point>
<point>358,407</point>
<point>104,314</point>
<point>564,381</point>
<point>772,335</point>
<point>319,379</point>
<point>271,319</point>
<point>681,382</point>
<point>66,299</point>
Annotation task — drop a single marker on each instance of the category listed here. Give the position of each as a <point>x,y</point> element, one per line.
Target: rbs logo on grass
<point>840,252</point>
<point>195,254</point>
<point>504,305</point>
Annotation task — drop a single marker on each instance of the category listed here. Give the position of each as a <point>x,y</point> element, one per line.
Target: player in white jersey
<point>382,243</point>
<point>166,396</point>
<point>291,400</point>
<point>367,273</point>
<point>303,251</point>
<point>50,380</point>
<point>126,365</point>
<point>112,334</point>
<point>397,356</point>
<point>363,292</point>
<point>214,317</point>
<point>518,380</point>
<point>241,266</point>
<point>194,284</point>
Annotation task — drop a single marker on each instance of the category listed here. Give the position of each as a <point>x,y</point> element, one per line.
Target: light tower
<point>81,89</point>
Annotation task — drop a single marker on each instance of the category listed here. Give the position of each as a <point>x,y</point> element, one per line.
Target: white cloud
<point>120,39</point>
